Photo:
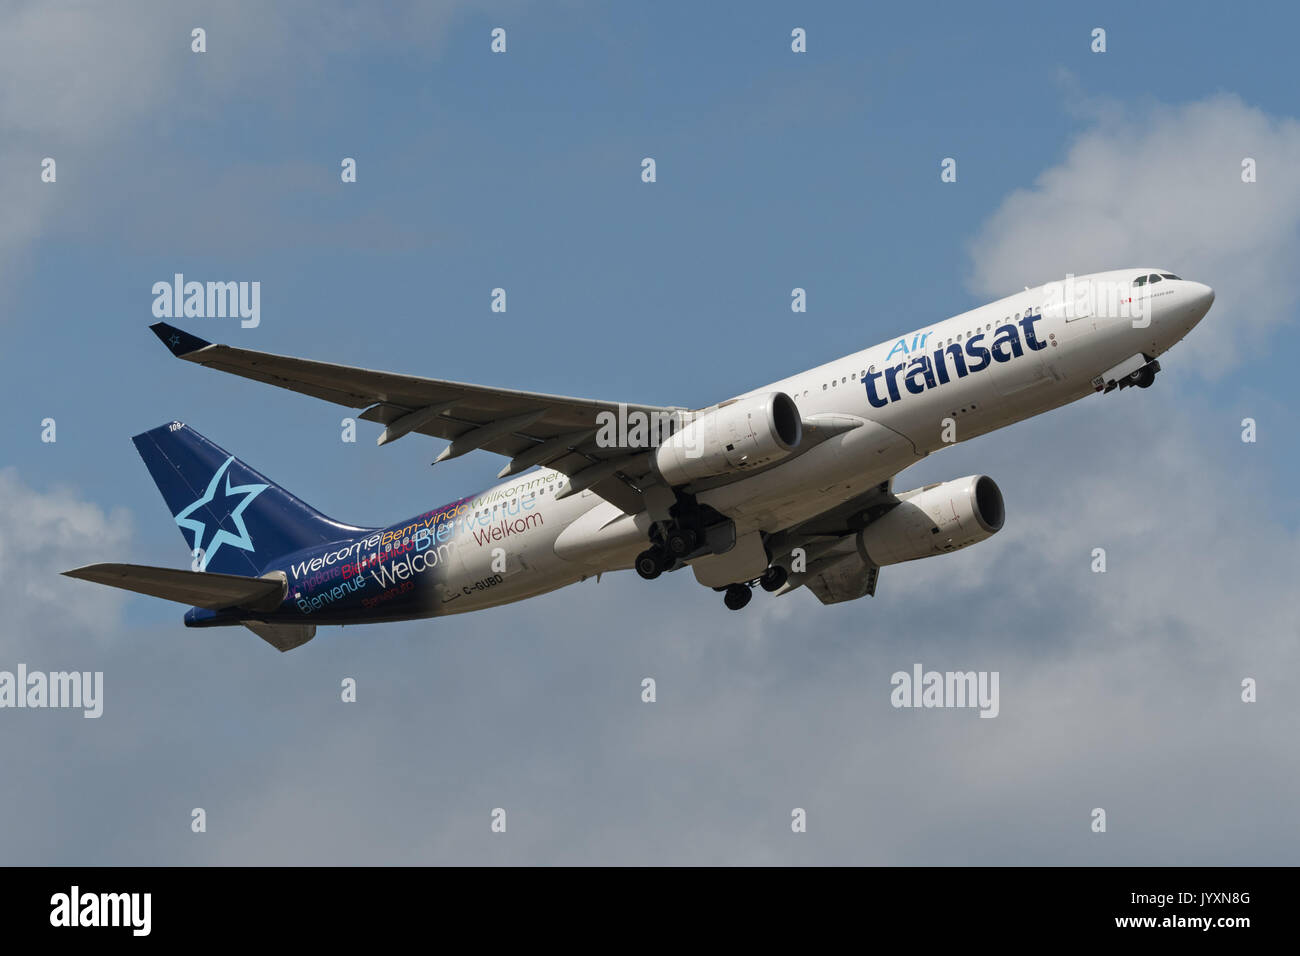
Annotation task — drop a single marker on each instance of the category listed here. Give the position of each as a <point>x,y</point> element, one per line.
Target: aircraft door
<point>1069,321</point>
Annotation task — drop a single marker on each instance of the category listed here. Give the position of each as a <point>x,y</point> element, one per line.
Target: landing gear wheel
<point>681,542</point>
<point>773,578</point>
<point>650,564</point>
<point>1144,376</point>
<point>737,596</point>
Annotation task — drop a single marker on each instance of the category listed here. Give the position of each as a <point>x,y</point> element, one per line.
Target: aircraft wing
<point>528,427</point>
<point>836,571</point>
<point>849,516</point>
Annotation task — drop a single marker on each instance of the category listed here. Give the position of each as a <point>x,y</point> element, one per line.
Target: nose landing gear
<point>1144,376</point>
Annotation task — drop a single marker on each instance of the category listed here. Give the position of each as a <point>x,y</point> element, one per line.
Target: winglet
<point>181,343</point>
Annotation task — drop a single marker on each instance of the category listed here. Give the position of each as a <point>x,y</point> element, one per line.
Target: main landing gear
<point>690,533</point>
<point>681,541</point>
<point>672,544</point>
<point>652,562</point>
<point>736,596</point>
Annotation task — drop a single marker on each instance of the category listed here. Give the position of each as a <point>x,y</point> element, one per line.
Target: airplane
<point>783,487</point>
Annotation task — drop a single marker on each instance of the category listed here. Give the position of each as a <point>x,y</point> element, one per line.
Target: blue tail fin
<point>235,520</point>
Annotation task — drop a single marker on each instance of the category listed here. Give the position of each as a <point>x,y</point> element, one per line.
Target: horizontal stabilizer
<point>199,588</point>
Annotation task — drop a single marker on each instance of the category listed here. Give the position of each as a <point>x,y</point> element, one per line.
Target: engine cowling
<point>934,520</point>
<point>740,435</point>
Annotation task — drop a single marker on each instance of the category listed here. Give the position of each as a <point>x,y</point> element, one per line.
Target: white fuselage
<point>907,409</point>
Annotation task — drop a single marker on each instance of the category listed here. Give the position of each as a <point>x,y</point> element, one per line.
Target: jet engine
<point>934,520</point>
<point>739,435</point>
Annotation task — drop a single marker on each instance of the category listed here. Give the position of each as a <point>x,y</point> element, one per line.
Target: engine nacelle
<point>934,520</point>
<point>740,435</point>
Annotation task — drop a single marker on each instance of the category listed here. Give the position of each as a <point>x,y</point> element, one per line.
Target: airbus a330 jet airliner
<point>787,486</point>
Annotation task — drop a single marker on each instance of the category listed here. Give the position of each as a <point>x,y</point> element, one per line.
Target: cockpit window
<point>1140,280</point>
<point>1153,278</point>
<point>1168,276</point>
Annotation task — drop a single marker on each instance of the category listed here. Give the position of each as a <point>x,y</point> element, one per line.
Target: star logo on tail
<point>221,535</point>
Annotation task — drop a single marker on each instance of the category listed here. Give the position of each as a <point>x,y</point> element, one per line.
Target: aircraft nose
<point>1202,298</point>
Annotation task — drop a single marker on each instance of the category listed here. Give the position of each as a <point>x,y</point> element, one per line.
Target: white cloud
<point>1161,186</point>
<point>42,534</point>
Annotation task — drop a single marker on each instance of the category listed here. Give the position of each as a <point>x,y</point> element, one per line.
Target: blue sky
<point>775,170</point>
